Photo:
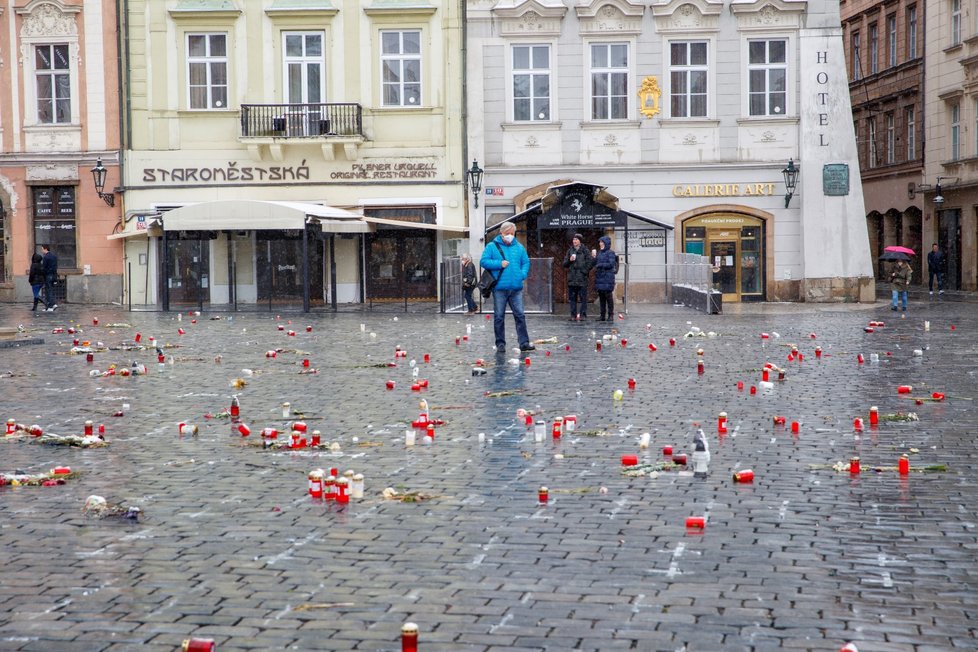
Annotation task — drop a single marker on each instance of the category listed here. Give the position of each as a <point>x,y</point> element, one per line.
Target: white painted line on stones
<point>501,623</point>
<point>288,551</point>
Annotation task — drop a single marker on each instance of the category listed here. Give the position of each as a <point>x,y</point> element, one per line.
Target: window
<point>873,154</point>
<point>304,68</point>
<point>911,119</point>
<point>891,41</point>
<point>609,81</point>
<point>955,22</point>
<point>688,79</point>
<point>874,50</point>
<point>890,139</point>
<point>768,74</point>
<point>912,32</point>
<point>976,124</point>
<point>400,60</point>
<point>955,132</point>
<point>857,53</point>
<point>54,222</point>
<point>531,83</point>
<point>207,71</point>
<point>53,75</point>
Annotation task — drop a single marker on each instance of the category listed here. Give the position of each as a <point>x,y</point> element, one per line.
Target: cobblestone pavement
<point>231,547</point>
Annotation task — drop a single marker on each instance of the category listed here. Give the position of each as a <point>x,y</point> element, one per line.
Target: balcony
<point>334,126</point>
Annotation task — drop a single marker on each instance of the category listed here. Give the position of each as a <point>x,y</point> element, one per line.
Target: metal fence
<point>537,291</point>
<point>301,120</point>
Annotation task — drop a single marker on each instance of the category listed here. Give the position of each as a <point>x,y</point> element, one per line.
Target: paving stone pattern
<point>231,547</point>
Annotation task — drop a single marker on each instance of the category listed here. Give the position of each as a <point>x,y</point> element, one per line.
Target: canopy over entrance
<point>253,215</point>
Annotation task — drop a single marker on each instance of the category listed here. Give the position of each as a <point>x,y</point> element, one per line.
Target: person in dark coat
<point>578,263</point>
<point>606,264</point>
<point>35,276</point>
<point>468,283</point>
<point>935,266</point>
<point>49,262</point>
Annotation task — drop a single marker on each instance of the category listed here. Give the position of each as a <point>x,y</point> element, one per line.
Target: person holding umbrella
<point>900,277</point>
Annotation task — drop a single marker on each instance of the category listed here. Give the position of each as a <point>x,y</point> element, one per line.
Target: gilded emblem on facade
<point>648,95</point>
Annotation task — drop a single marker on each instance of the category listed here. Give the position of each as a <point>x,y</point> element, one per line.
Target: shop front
<point>736,244</point>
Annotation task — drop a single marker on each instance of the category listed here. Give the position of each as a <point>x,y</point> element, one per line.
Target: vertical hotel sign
<point>822,95</point>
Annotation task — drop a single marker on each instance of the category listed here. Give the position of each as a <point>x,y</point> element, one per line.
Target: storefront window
<point>734,244</point>
<point>54,223</point>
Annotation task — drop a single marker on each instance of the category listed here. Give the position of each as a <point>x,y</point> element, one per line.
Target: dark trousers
<point>49,289</point>
<point>469,301</point>
<point>577,294</point>
<point>940,280</point>
<point>607,301</point>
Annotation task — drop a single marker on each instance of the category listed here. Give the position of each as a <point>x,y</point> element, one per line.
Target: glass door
<point>188,271</point>
<point>278,268</point>
<point>724,256</point>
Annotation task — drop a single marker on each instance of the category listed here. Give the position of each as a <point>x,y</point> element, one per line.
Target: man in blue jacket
<point>506,258</point>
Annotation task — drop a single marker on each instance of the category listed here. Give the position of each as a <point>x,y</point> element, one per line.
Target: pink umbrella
<point>902,250</point>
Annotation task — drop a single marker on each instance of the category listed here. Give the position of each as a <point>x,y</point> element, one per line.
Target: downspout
<point>465,111</point>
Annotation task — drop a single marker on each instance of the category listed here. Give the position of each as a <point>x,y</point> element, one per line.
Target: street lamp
<point>98,174</point>
<point>790,181</point>
<point>475,180</point>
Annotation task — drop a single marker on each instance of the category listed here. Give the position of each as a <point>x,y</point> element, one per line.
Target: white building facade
<point>682,113</point>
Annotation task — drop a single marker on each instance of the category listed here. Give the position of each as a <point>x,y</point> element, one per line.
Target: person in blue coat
<point>507,260</point>
<point>606,264</point>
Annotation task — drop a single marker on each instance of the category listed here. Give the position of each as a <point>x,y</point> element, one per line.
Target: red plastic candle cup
<point>781,375</point>
<point>94,321</point>
<point>791,356</point>
<point>101,428</point>
<point>937,396</point>
<point>904,389</point>
<point>300,426</point>
<point>667,451</point>
<point>700,368</point>
<point>430,430</point>
<point>528,420</point>
<point>672,341</point>
<point>543,495</point>
<point>423,382</point>
<point>526,361</point>
<point>904,465</point>
<point>765,336</point>
<point>89,357</point>
<point>415,387</point>
<point>860,359</point>
<point>244,429</point>
<point>160,358</point>
<point>597,346</point>
<point>74,342</point>
<point>61,470</point>
<point>795,427</point>
<point>874,416</point>
<point>281,327</point>
<point>747,475</point>
<point>305,362</point>
<point>567,347</point>
<point>857,424</point>
<point>631,383</point>
<point>812,335</point>
<point>315,438</point>
<point>740,385</point>
<point>558,428</point>
<point>427,357</point>
<point>316,484</point>
<point>457,339</point>
<point>818,352</point>
<point>629,460</point>
<point>679,458</point>
<point>652,347</point>
<point>181,331</point>
<point>753,390</point>
<point>765,375</point>
<point>465,338</point>
<point>779,420</point>
<point>695,522</point>
<point>199,645</point>
<point>89,428</point>
<point>624,342</point>
<point>854,466</point>
<point>390,384</point>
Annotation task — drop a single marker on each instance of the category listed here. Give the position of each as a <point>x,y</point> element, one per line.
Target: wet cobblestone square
<point>230,546</point>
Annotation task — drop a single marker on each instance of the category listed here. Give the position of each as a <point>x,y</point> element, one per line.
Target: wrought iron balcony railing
<point>301,120</point>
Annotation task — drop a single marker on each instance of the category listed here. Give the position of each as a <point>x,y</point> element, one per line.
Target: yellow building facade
<point>291,152</point>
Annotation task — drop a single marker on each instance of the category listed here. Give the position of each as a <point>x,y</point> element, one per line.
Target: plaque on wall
<point>835,179</point>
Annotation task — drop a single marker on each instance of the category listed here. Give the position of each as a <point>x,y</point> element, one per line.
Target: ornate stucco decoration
<point>648,96</point>
<point>604,16</point>
<point>538,18</point>
<point>759,15</point>
<point>45,19</point>
<point>672,16</point>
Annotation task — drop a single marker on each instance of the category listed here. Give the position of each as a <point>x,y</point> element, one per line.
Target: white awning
<point>250,215</point>
<point>414,225</point>
<point>141,233</point>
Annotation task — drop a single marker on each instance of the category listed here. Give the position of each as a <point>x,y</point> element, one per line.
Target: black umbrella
<point>895,255</point>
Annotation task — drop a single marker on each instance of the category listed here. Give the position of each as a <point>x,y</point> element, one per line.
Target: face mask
<point>508,239</point>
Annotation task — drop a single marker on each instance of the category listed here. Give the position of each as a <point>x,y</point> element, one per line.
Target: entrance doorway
<point>949,240</point>
<point>735,246</point>
<point>401,264</point>
<point>188,268</point>
<point>278,266</point>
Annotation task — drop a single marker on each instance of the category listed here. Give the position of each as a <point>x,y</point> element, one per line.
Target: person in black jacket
<point>468,283</point>
<point>935,267</point>
<point>606,264</point>
<point>49,262</point>
<point>578,262</point>
<point>36,278</point>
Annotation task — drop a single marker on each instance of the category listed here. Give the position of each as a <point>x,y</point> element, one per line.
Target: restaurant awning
<point>253,215</point>
<point>414,225</point>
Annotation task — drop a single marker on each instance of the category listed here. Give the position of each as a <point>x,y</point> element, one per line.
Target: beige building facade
<point>291,152</point>
<point>59,116</point>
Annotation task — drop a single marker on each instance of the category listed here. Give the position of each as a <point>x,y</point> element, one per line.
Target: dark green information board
<point>835,179</point>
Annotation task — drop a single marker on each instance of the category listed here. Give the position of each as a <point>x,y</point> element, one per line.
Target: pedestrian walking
<point>606,266</point>
<point>468,283</point>
<point>49,262</point>
<point>900,277</point>
<point>35,276</point>
<point>578,262</point>
<point>507,260</point>
<point>935,267</point>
